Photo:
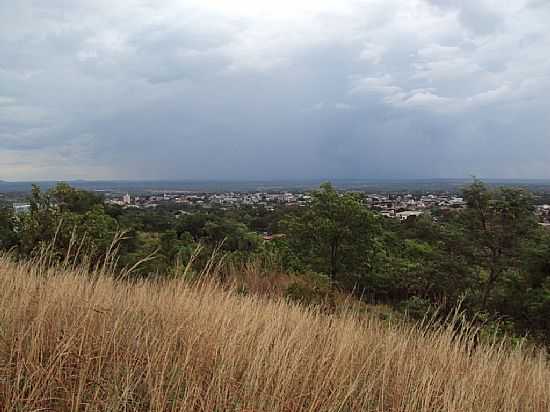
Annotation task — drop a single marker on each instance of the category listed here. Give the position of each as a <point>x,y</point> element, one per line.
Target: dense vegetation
<point>491,258</point>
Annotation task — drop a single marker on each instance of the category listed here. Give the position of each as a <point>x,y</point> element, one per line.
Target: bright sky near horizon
<point>251,89</point>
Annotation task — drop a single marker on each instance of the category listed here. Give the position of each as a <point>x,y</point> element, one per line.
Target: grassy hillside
<point>74,342</point>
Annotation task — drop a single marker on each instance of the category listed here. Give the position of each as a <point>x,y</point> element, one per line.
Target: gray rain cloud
<point>264,90</point>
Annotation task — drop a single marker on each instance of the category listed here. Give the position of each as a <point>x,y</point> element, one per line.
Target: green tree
<point>422,259</point>
<point>69,199</point>
<point>8,233</point>
<point>39,226</point>
<point>214,230</point>
<point>523,295</point>
<point>65,217</point>
<point>335,235</point>
<point>497,223</point>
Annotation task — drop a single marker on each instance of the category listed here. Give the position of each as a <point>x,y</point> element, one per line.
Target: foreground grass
<point>71,342</point>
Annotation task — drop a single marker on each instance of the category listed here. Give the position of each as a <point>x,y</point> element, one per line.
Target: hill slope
<point>69,342</point>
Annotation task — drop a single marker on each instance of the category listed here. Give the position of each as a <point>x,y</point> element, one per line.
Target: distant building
<point>126,199</point>
<point>407,214</point>
<point>21,208</point>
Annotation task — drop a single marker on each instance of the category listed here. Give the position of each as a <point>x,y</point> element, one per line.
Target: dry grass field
<point>74,342</point>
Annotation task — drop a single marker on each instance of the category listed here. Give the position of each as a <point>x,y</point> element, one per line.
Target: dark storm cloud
<point>473,14</point>
<point>258,89</point>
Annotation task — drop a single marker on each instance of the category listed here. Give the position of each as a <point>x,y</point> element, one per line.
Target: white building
<point>407,214</point>
<point>21,208</point>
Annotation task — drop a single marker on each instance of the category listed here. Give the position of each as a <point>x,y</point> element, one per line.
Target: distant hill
<point>374,185</point>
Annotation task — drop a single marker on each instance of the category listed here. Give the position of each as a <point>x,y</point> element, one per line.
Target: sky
<point>254,89</point>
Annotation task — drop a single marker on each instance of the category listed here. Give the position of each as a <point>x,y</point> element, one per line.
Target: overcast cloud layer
<point>252,89</point>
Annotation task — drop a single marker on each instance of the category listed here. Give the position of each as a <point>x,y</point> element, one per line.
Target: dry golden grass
<point>74,342</point>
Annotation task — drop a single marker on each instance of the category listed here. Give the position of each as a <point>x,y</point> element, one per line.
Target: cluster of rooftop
<point>208,200</point>
<point>405,206</point>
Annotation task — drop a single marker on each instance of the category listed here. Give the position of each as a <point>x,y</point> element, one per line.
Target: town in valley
<point>400,205</point>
